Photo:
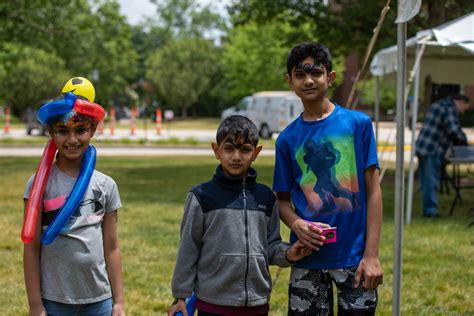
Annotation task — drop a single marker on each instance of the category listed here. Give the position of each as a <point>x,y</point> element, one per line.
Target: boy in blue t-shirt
<point>326,175</point>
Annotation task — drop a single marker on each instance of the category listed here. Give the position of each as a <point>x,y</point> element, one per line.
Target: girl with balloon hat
<point>72,260</point>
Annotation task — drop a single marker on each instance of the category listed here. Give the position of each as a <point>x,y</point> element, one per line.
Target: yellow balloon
<point>80,86</point>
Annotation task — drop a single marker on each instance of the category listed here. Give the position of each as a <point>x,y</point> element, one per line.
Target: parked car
<point>32,123</point>
<point>271,111</point>
<point>240,108</point>
<point>122,112</point>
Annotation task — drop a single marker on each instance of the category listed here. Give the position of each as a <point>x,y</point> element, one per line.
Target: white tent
<point>446,53</point>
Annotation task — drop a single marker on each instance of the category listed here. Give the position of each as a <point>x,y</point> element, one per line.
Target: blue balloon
<point>72,202</point>
<point>55,108</point>
<point>190,302</point>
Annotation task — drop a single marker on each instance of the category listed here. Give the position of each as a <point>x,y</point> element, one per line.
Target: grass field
<point>438,274</point>
<point>177,123</point>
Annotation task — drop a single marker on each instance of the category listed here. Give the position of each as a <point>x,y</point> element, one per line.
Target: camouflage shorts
<point>310,292</point>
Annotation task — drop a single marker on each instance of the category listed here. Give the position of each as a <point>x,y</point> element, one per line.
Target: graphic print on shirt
<point>89,210</point>
<point>329,174</point>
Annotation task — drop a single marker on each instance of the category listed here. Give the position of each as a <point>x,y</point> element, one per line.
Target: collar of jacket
<point>235,183</point>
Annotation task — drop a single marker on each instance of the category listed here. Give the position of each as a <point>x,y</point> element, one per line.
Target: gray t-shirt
<point>73,266</point>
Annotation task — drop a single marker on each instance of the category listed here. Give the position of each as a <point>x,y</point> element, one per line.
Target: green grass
<point>438,276</point>
<point>177,123</point>
<point>192,123</point>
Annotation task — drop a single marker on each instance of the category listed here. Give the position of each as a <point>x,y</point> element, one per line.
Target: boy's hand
<point>369,273</point>
<point>298,251</point>
<point>309,233</point>
<point>180,306</point>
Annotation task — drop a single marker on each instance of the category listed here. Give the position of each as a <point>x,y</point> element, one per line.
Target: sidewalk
<point>130,151</point>
<point>387,134</point>
<point>386,139</point>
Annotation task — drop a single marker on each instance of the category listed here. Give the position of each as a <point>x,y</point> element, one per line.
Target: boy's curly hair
<point>235,127</point>
<point>300,52</point>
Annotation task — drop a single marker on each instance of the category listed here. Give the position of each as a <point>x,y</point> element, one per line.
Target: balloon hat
<point>75,89</point>
<point>81,87</point>
<point>70,102</point>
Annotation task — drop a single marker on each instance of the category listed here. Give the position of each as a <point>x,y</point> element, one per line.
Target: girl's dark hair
<point>235,127</point>
<point>79,117</point>
<point>300,52</point>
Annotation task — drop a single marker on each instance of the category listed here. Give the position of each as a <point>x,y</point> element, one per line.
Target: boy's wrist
<point>286,256</point>
<point>371,253</point>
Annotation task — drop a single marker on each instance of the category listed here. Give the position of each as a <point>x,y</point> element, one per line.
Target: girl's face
<point>72,138</point>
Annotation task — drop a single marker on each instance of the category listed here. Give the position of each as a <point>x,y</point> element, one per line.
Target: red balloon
<point>89,108</point>
<point>36,193</point>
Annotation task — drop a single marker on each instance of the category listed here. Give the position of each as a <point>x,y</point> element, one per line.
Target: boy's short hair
<point>235,127</point>
<point>300,52</point>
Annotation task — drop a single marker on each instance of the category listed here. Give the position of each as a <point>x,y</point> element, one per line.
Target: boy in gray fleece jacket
<point>230,233</point>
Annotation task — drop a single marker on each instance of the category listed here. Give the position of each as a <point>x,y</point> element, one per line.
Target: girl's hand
<point>118,310</point>
<point>37,311</point>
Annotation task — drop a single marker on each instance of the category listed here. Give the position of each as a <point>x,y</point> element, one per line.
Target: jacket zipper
<point>247,246</point>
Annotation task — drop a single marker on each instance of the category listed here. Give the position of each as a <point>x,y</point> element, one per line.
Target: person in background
<point>441,129</point>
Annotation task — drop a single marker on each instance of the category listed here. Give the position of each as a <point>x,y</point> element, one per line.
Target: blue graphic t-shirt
<point>322,164</point>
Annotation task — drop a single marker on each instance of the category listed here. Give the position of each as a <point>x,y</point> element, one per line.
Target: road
<point>387,137</point>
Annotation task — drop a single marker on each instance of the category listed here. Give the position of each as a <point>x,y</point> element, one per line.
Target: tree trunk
<point>184,111</point>
<point>436,12</point>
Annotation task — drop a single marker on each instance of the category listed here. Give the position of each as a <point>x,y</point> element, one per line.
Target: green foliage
<point>183,70</point>
<point>113,55</point>
<point>86,36</point>
<point>387,90</point>
<point>178,20</point>
<point>345,25</point>
<point>255,56</point>
<point>187,18</point>
<point>29,76</point>
<point>146,38</point>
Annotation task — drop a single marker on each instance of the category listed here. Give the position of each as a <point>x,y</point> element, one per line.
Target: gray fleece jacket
<point>230,233</point>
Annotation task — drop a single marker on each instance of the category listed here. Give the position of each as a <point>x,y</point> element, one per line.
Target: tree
<point>146,39</point>
<point>113,55</point>
<point>89,37</point>
<point>255,56</point>
<point>182,71</point>
<point>29,76</point>
<point>345,25</point>
<point>187,18</point>
<point>183,21</point>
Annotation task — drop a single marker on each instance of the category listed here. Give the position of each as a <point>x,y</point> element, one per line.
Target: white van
<point>271,111</point>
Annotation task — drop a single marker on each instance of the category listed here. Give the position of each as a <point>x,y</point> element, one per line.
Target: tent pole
<point>414,116</point>
<point>377,109</point>
<point>399,170</point>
